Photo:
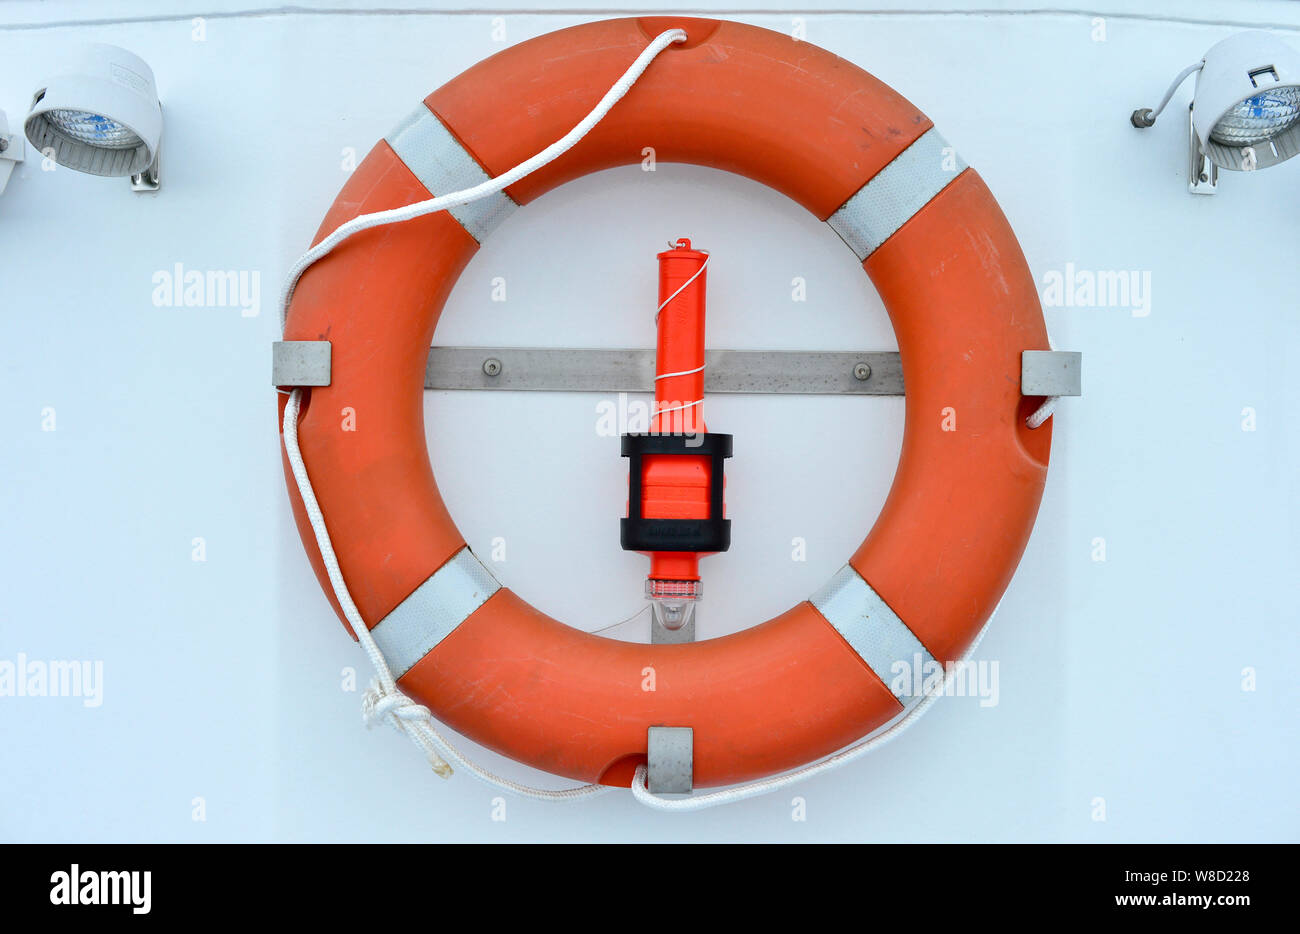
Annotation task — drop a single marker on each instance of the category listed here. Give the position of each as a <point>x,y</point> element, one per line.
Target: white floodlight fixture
<point>11,151</point>
<point>1245,112</point>
<point>101,115</point>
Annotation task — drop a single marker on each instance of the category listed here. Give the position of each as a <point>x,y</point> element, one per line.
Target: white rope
<point>678,408</point>
<point>492,185</point>
<point>682,288</point>
<point>1047,407</point>
<point>383,701</point>
<point>641,791</point>
<point>1043,412</point>
<point>679,373</point>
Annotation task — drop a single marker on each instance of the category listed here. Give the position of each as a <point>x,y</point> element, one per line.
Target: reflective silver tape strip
<point>875,632</point>
<point>443,165</point>
<point>896,193</point>
<point>433,610</point>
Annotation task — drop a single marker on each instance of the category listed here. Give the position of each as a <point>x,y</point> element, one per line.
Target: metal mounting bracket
<point>1051,373</point>
<point>662,635</point>
<point>1203,177</point>
<point>670,760</point>
<point>563,369</point>
<point>300,363</point>
<point>12,151</point>
<point>151,178</point>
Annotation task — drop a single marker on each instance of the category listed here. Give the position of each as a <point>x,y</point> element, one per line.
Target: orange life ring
<point>963,306</point>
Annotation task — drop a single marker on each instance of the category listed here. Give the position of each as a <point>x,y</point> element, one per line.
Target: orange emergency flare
<point>677,487</point>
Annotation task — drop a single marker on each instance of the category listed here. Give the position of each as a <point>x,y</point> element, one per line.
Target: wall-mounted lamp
<point>1245,111</point>
<point>101,115</point>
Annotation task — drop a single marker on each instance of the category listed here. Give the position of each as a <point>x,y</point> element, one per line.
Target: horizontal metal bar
<point>588,370</point>
<point>570,369</point>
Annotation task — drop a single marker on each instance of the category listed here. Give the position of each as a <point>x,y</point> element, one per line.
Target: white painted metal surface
<point>140,436</point>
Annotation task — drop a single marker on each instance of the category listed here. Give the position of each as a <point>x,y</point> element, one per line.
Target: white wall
<point>1119,679</point>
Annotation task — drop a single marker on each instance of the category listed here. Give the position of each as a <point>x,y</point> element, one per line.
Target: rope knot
<point>379,705</point>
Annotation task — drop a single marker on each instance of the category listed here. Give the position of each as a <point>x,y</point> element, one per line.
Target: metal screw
<point>492,366</point>
<point>862,371</point>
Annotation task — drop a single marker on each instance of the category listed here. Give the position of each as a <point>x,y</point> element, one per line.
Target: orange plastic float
<point>963,305</point>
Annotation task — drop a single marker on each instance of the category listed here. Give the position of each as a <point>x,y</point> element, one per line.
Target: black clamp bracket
<point>638,533</point>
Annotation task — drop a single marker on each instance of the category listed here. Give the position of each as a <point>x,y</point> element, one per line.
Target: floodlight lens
<point>1259,118</point>
<point>93,129</point>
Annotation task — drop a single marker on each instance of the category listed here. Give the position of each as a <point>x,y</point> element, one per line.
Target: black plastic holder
<point>637,533</point>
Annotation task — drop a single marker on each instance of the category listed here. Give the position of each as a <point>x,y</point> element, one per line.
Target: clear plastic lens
<point>673,602</point>
<point>673,614</point>
<point>1259,118</point>
<point>93,129</point>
